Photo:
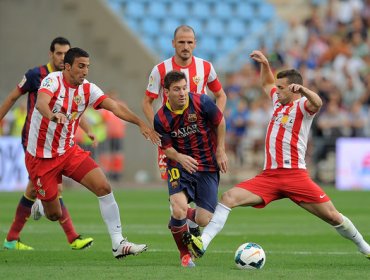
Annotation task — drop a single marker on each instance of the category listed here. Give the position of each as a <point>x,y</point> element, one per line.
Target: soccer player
<point>51,152</point>
<point>284,174</point>
<point>30,84</point>
<point>200,74</point>
<point>193,139</point>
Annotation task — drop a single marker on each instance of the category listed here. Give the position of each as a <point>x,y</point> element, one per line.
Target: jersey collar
<point>177,112</point>
<point>50,68</point>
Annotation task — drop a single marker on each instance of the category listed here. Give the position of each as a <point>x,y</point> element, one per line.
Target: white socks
<point>349,231</point>
<point>216,224</point>
<point>110,213</point>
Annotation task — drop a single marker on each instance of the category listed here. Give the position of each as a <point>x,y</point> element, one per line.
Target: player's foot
<point>81,243</point>
<point>126,248</point>
<point>15,245</point>
<point>195,244</point>
<point>37,210</point>
<point>195,231</point>
<point>186,261</point>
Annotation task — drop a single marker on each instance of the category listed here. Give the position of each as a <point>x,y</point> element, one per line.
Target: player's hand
<point>58,118</point>
<point>151,135</point>
<point>296,88</point>
<point>188,163</point>
<point>259,57</point>
<point>222,160</point>
<point>93,138</point>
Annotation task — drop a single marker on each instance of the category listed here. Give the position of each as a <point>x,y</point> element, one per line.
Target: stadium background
<point>298,245</point>
<point>126,38</point>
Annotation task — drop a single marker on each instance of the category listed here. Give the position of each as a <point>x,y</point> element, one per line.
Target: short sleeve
<point>49,85</point>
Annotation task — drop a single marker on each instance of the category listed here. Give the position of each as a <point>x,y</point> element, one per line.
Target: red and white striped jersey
<point>49,139</point>
<point>287,134</point>
<point>200,73</point>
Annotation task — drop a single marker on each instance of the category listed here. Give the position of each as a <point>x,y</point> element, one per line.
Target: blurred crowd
<point>331,48</point>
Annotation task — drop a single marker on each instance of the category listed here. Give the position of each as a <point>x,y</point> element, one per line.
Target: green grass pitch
<point>297,244</point>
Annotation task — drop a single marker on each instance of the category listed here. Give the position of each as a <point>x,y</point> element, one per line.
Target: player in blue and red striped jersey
<point>193,139</point>
<point>30,84</point>
<point>200,75</point>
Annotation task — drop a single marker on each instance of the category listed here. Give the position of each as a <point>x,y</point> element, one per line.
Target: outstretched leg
<point>327,212</point>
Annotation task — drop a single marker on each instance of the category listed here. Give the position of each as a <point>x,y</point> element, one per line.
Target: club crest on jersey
<point>47,82</point>
<point>197,79</point>
<point>77,99</point>
<point>192,117</point>
<point>174,184</point>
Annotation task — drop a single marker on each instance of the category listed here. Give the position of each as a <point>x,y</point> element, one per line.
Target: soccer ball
<point>250,256</point>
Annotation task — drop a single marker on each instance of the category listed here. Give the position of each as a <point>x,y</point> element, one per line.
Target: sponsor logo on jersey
<point>192,117</point>
<point>41,192</point>
<point>185,131</point>
<point>73,116</point>
<point>21,83</point>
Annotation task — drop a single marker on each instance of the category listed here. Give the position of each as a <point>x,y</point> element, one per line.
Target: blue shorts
<point>201,187</point>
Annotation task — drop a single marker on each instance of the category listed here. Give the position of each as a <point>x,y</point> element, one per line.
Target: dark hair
<point>183,27</point>
<point>293,76</point>
<point>173,77</point>
<point>72,53</point>
<point>60,41</point>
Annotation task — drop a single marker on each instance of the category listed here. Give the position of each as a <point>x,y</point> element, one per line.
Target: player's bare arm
<point>187,162</point>
<point>124,113</point>
<point>220,99</point>
<point>147,105</point>
<point>42,105</point>
<point>314,101</point>
<point>85,126</point>
<point>267,77</point>
<point>9,102</point>
<point>221,156</point>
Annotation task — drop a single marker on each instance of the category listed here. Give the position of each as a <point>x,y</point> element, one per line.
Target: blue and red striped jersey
<point>30,84</point>
<point>191,131</point>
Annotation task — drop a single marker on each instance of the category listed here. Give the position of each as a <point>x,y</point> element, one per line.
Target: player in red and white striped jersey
<point>52,152</point>
<point>284,174</point>
<point>200,74</point>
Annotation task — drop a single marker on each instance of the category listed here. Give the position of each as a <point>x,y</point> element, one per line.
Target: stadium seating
<point>221,27</point>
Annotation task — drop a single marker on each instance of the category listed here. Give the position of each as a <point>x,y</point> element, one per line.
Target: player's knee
<point>103,189</point>
<point>228,199</point>
<point>179,212</point>
<point>54,216</point>
<point>333,217</point>
<point>203,220</point>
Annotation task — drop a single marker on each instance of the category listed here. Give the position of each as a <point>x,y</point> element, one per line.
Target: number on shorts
<point>174,174</point>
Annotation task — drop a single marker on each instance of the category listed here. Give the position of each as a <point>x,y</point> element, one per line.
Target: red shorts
<point>294,184</point>
<point>46,173</point>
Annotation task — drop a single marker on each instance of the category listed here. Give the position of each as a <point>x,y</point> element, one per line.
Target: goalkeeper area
<point>297,245</point>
